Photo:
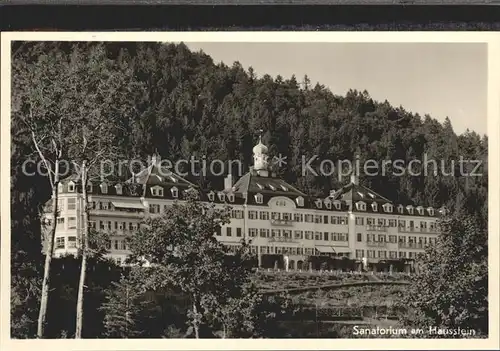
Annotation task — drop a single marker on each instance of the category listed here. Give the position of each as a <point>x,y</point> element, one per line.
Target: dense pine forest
<point>183,104</point>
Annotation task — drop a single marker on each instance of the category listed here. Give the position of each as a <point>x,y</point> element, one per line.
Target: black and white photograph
<point>221,189</point>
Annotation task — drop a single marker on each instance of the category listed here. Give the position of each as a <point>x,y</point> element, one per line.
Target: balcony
<point>376,228</point>
<point>429,230</point>
<point>116,213</point>
<point>282,222</point>
<point>404,245</point>
<point>376,243</point>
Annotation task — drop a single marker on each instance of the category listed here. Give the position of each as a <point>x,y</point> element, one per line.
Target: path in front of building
<point>372,281</point>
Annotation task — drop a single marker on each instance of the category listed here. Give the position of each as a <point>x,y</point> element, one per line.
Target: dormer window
<point>400,208</point>
<point>173,179</point>
<point>360,206</point>
<point>259,198</point>
<point>272,187</point>
<point>371,195</point>
<point>328,203</point>
<point>119,189</point>
<point>89,187</point>
<point>318,203</point>
<point>221,196</point>
<point>230,197</point>
<point>431,211</point>
<point>104,188</point>
<point>300,201</point>
<point>420,210</point>
<point>375,207</point>
<point>361,194</point>
<point>284,188</point>
<point>388,208</point>
<point>71,187</point>
<point>410,209</point>
<point>337,204</point>
<point>175,192</point>
<point>211,196</point>
<point>261,187</point>
<point>157,191</point>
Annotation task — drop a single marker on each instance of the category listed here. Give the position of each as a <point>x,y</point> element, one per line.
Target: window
<point>104,188</point>
<point>392,238</point>
<point>218,231</point>
<point>309,235</point>
<point>370,253</point>
<point>318,203</point>
<point>325,219</point>
<point>400,208</point>
<point>71,242</point>
<point>374,207</point>
<point>300,201</point>
<point>360,253</point>
<point>309,218</point>
<point>238,232</point>
<point>393,254</point>
<point>410,209</point>
<point>287,233</point>
<point>264,215</point>
<point>298,217</point>
<point>60,243</point>
<point>275,233</point>
<point>392,223</point>
<point>275,215</point>
<point>264,233</point>
<point>71,187</point>
<point>420,210</point>
<point>175,192</point>
<point>71,204</point>
<point>317,236</point>
<point>230,197</point>
<point>388,208</point>
<point>252,232</point>
<point>258,198</point>
<point>90,187</point>
<point>431,211</point>
<point>317,219</point>
<point>359,237</point>
<point>238,214</point>
<point>361,206</point>
<point>337,204</point>
<point>328,203</point>
<point>402,254</point>
<point>325,236</point>
<point>228,231</point>
<point>118,261</point>
<point>60,220</point>
<point>119,189</point>
<point>359,221</point>
<point>252,214</point>
<point>382,254</point>
<point>299,234</point>
<point>211,196</point>
<point>71,222</point>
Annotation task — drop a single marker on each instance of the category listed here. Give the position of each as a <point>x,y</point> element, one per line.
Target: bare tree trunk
<point>49,252</point>
<point>196,327</point>
<point>84,250</point>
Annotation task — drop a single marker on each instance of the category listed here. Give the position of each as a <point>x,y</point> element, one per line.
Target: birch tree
<point>38,109</point>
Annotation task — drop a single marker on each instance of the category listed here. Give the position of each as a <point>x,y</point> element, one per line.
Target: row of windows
<point>386,254</point>
<point>394,238</point>
<point>284,233</point>
<point>361,206</point>
<point>113,225</point>
<point>393,223</point>
<point>296,217</point>
<point>280,250</point>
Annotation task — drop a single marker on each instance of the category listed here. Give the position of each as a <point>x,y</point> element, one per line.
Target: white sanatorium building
<point>353,222</point>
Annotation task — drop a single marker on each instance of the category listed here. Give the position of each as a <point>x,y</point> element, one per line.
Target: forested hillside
<point>186,105</point>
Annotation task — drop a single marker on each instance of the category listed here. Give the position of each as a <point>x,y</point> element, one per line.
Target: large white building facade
<point>352,222</point>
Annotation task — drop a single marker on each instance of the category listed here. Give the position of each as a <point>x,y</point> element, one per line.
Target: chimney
<point>354,178</point>
<point>228,182</point>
